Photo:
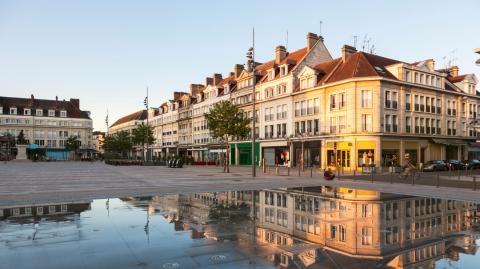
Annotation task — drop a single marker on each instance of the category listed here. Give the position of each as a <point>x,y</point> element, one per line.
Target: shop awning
<point>450,142</point>
<point>218,150</point>
<point>199,149</point>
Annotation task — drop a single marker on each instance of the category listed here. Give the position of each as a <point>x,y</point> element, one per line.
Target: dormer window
<point>283,70</point>
<point>39,112</point>
<point>51,113</point>
<point>26,112</point>
<point>271,74</point>
<point>63,114</point>
<point>1,110</point>
<point>13,111</point>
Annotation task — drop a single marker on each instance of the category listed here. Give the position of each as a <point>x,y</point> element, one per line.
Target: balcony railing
<point>387,127</point>
<point>394,104</point>
<point>407,106</point>
<point>439,110</point>
<point>394,128</point>
<point>417,107</point>
<point>408,129</point>
<point>417,129</point>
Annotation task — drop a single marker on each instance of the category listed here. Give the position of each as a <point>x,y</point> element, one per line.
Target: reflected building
<point>332,227</point>
<point>52,211</point>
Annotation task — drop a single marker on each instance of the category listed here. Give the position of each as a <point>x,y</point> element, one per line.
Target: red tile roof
<point>291,59</point>
<point>139,115</point>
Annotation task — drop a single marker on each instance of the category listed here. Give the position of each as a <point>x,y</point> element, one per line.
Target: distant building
<point>98,139</point>
<point>47,123</point>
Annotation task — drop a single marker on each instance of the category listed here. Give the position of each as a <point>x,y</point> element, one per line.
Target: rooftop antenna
<point>355,41</point>
<point>321,22</point>
<point>364,42</point>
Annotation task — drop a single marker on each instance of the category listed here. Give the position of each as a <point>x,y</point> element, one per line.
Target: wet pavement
<point>303,227</point>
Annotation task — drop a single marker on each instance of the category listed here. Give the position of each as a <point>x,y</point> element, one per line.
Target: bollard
<point>311,171</point>
<point>458,175</point>
<point>474,183</point>
<point>371,176</point>
<point>276,170</point>
<point>299,167</point>
<point>413,179</point>
<point>438,180</point>
<point>288,170</point>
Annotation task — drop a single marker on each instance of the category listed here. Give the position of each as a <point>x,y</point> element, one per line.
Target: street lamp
<point>251,68</point>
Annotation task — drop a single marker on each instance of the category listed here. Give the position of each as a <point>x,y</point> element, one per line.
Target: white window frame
<point>27,112</point>
<point>63,113</point>
<point>13,111</point>
<point>50,113</point>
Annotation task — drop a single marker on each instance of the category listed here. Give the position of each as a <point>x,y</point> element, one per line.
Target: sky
<point>108,52</point>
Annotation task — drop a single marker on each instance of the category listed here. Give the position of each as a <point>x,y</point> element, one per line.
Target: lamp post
<point>251,68</point>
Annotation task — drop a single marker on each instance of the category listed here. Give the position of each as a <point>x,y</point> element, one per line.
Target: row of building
<point>355,110</point>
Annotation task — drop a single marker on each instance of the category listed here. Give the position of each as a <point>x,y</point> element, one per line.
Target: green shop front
<point>241,153</point>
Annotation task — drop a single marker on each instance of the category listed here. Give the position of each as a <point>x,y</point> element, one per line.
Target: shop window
<point>366,157</point>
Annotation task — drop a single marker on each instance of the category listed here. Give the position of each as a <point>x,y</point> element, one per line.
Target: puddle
<point>314,227</point>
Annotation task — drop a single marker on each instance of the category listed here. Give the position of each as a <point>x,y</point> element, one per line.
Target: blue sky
<point>107,52</point>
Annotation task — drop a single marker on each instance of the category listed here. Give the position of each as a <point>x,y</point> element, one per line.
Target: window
<point>342,100</point>
<point>366,210</point>
<point>316,106</point>
<point>407,102</point>
<point>408,124</point>
<point>417,104</point>
<point>63,114</point>
<point>366,96</point>
<point>1,110</point>
<point>366,122</point>
<point>394,123</point>
<point>366,236</point>
<point>388,99</point>
<point>333,232</point>
<point>13,111</point>
<point>26,112</point>
<point>387,123</point>
<point>51,113</point>
<point>332,102</point>
<point>407,76</point>
<point>343,233</point>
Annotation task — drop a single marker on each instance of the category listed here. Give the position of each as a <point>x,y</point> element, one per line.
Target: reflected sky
<point>316,227</point>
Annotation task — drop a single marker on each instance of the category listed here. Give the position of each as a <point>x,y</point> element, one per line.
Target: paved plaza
<point>27,182</point>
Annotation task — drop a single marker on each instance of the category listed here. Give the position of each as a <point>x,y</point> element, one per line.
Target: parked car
<point>435,165</point>
<point>472,164</point>
<point>455,164</point>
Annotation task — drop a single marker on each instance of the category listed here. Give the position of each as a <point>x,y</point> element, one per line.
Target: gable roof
<point>292,59</point>
<point>139,115</point>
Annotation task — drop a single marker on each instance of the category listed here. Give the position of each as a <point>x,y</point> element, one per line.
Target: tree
<point>120,142</point>
<point>72,144</point>
<point>143,135</point>
<point>226,121</point>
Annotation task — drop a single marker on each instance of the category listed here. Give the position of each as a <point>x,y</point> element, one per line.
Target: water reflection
<point>315,227</point>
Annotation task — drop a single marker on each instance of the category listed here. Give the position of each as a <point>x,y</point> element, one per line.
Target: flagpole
<point>147,125</point>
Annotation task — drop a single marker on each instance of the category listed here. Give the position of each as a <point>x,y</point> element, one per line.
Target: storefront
<point>241,153</point>
<point>474,151</point>
<point>311,153</point>
<point>365,153</point>
<point>339,155</point>
<point>276,156</point>
<point>390,153</point>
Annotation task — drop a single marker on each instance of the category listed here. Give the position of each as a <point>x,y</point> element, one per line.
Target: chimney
<point>32,98</point>
<point>231,74</point>
<point>217,78</point>
<point>237,69</point>
<point>196,88</point>
<point>312,39</point>
<point>75,102</point>
<point>346,51</point>
<point>208,81</point>
<point>177,95</point>
<point>280,54</point>
<point>454,71</point>
<point>430,64</point>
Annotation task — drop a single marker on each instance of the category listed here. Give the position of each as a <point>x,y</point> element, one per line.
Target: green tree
<point>142,135</point>
<point>120,142</point>
<point>226,121</point>
<point>72,144</point>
